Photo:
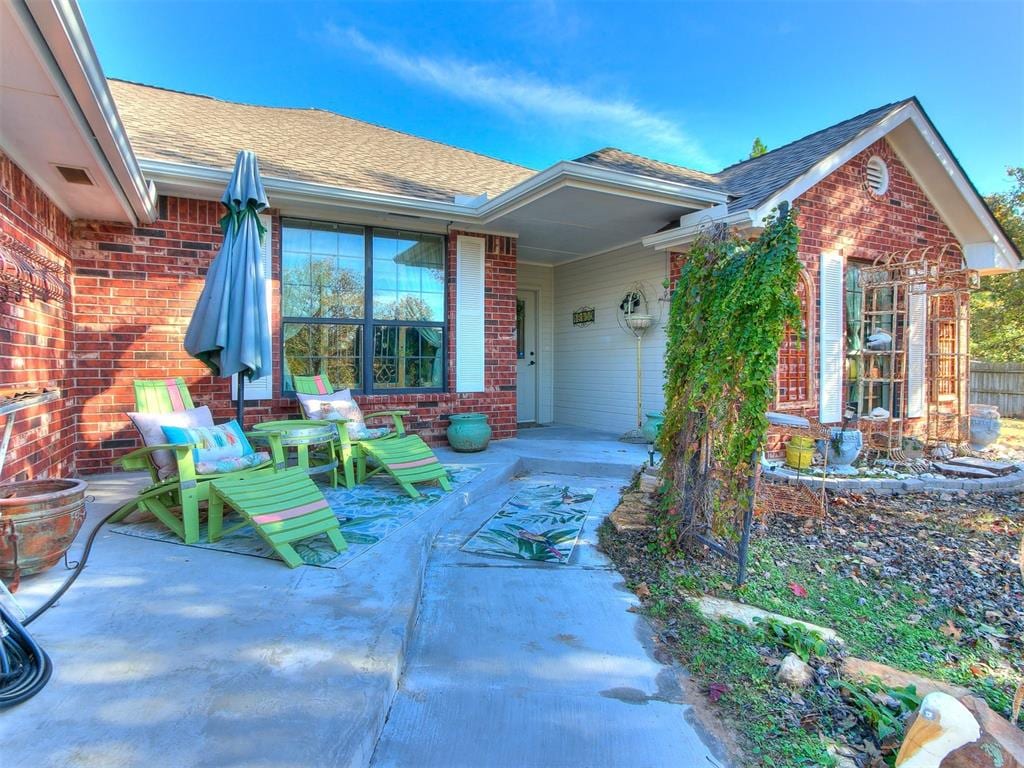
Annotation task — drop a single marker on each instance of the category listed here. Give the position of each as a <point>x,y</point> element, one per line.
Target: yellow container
<point>800,452</point>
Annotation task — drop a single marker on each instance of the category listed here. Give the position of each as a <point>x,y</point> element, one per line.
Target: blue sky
<point>538,82</point>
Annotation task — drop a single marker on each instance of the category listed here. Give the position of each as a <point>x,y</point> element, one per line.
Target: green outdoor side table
<point>302,435</point>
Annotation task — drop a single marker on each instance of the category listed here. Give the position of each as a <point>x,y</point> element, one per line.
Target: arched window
<point>793,384</point>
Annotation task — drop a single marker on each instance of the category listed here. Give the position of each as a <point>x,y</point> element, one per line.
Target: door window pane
<point>408,276</point>
<point>407,358</point>
<point>318,348</point>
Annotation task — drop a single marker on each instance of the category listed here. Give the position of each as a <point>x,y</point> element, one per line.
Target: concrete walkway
<point>178,656</point>
<point>516,663</point>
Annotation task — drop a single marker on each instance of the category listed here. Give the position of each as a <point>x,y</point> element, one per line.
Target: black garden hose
<point>24,666</point>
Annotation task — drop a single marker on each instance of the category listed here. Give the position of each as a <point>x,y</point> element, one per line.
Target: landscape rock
<point>720,608</point>
<point>795,672</point>
<point>633,513</point>
<point>865,671</point>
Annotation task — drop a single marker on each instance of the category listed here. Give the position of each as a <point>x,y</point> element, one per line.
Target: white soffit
<point>570,223</point>
<point>44,122</point>
<point>935,170</point>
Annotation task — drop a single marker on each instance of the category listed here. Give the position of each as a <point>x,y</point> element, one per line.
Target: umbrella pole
<point>241,400</point>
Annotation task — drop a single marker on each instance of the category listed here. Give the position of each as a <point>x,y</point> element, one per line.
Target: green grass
<point>726,654</point>
<point>881,622</point>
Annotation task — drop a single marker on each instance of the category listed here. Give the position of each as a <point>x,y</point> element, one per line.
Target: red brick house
<point>423,276</point>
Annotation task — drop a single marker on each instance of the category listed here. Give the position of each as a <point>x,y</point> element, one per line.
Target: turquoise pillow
<point>224,441</point>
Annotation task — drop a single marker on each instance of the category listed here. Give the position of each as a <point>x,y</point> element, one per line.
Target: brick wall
<point>135,291</point>
<point>841,214</point>
<point>35,336</point>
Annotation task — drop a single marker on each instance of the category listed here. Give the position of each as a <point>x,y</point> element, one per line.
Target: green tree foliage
<point>997,310</point>
<point>730,310</point>
<point>758,148</point>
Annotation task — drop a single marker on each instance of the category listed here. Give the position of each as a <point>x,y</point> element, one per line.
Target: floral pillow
<point>337,406</point>
<point>150,426</point>
<point>212,444</point>
<point>232,464</point>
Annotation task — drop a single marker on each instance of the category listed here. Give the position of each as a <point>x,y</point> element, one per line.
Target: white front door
<point>526,352</point>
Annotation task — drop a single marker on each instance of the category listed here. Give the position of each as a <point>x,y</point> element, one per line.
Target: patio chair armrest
<point>141,459</point>
<point>395,415</point>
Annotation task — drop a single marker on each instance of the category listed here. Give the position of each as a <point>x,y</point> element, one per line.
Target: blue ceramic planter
<point>652,426</point>
<point>468,432</point>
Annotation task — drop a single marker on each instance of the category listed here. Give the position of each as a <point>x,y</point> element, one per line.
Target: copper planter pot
<point>38,521</point>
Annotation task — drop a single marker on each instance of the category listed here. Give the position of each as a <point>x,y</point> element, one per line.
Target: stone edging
<point>892,486</point>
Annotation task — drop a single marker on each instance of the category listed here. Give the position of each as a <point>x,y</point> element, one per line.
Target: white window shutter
<point>469,314</point>
<point>263,388</point>
<point>917,333</point>
<point>830,327</point>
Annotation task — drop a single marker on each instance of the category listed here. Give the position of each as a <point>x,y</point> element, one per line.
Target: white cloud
<point>529,97</point>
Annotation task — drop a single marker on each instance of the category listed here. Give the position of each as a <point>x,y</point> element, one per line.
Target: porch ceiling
<point>572,222</point>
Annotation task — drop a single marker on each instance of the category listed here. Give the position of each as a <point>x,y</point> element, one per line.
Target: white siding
<point>469,314</point>
<point>830,329</point>
<point>542,279</point>
<point>595,366</point>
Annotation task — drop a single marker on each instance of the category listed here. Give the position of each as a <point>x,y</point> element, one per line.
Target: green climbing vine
<point>733,301</point>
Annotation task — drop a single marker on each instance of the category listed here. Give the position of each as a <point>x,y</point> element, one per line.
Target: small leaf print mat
<point>541,522</point>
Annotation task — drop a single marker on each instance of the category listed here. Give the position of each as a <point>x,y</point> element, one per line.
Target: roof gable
<point>755,180</point>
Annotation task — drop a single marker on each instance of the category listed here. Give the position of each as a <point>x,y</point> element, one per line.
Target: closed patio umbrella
<point>229,329</point>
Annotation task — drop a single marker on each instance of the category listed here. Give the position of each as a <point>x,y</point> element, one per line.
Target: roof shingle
<point>751,182</point>
<point>304,144</point>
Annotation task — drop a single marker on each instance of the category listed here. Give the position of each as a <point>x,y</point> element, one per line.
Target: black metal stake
<point>240,407</point>
<point>748,519</point>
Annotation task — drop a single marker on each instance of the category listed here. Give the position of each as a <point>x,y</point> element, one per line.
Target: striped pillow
<point>212,444</point>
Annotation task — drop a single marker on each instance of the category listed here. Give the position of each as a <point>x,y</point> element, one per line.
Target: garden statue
<point>942,725</point>
<point>959,733</point>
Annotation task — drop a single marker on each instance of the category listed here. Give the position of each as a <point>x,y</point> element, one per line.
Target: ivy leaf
<point>716,690</point>
<point>951,630</point>
<point>797,589</point>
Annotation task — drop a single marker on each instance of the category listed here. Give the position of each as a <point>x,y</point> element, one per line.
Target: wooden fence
<point>999,384</point>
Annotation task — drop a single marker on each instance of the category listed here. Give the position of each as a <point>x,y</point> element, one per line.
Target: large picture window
<point>365,306</point>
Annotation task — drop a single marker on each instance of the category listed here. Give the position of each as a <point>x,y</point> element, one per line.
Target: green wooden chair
<point>186,489</point>
<point>405,457</point>
<point>283,507</point>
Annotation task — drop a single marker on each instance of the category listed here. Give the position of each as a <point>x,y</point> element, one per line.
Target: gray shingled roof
<point>753,181</point>
<point>326,148</point>
<point>618,160</point>
<point>304,144</point>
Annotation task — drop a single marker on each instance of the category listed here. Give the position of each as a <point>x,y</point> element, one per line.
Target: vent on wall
<point>74,175</point>
<point>877,173</point>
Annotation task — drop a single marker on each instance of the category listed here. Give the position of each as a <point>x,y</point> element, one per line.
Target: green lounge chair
<point>283,507</point>
<point>405,457</point>
<point>186,488</point>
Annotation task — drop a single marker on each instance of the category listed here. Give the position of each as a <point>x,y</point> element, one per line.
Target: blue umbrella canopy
<point>229,329</point>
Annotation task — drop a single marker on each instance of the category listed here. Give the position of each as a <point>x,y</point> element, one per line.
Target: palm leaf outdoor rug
<point>541,522</point>
<point>368,514</point>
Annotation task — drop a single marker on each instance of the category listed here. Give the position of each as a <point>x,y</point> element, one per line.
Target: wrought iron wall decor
<point>584,316</point>
<point>27,275</point>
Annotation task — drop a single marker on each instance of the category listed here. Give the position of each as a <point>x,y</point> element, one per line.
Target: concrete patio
<point>415,653</point>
